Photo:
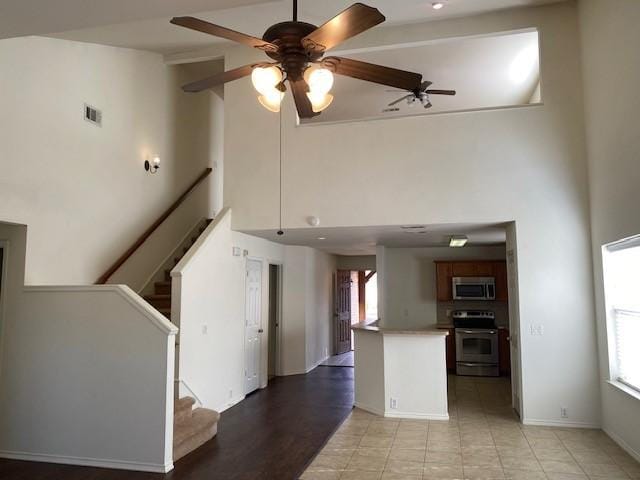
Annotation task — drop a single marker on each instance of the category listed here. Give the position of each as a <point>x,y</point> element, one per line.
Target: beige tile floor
<point>482,440</point>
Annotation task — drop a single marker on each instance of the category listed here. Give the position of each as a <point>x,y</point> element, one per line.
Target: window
<point>622,291</point>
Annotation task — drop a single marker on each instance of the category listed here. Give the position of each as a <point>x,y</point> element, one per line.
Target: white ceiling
<point>155,33</point>
<point>42,17</point>
<point>479,69</point>
<point>363,240</point>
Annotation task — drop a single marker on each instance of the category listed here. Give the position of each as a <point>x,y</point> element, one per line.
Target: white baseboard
<point>88,462</point>
<point>367,408</point>
<point>231,403</point>
<point>558,423</point>
<point>416,416</point>
<point>624,445</point>
<point>317,364</point>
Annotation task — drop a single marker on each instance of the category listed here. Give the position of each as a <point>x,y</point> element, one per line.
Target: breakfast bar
<point>401,372</point>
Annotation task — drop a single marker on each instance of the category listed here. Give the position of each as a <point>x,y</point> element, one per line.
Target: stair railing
<point>138,243</point>
<point>179,382</point>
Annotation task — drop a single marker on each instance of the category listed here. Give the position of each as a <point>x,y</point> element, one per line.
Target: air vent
<point>92,115</point>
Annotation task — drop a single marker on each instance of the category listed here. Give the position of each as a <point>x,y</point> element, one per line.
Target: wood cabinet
<point>504,350</point>
<point>446,270</point>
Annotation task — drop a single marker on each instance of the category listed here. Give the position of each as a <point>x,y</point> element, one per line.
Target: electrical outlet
<point>205,329</point>
<point>393,403</point>
<point>230,394</point>
<point>564,413</point>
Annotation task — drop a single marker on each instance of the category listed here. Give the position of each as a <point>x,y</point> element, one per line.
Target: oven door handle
<point>471,332</point>
<point>474,364</point>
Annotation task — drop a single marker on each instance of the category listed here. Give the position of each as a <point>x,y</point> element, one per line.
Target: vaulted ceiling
<point>144,24</point>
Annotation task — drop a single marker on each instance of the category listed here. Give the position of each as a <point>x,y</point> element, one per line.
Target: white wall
<point>610,37</point>
<point>524,164</point>
<point>410,280</point>
<point>307,323</point>
<point>319,319</point>
<point>356,262</point>
<point>82,189</point>
<point>209,291</point>
<point>87,374</point>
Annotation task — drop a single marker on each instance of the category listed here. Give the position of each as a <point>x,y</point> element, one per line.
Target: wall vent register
<point>92,115</point>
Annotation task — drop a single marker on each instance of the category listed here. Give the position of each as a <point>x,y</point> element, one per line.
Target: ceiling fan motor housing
<point>291,53</point>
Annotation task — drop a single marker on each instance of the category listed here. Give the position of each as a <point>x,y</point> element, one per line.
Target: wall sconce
<point>153,165</point>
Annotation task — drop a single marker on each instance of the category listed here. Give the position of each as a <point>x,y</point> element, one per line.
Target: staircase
<point>192,427</point>
<point>161,298</point>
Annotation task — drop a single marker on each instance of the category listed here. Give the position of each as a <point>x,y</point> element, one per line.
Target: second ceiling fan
<point>297,50</point>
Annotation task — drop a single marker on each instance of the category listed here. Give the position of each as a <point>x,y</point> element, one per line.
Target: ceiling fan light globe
<point>265,79</point>
<point>272,100</point>
<point>319,102</point>
<point>320,80</point>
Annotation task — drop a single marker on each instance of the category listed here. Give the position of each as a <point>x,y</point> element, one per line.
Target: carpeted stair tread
<point>194,431</point>
<point>184,403</point>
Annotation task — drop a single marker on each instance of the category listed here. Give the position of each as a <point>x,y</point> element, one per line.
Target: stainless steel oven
<point>474,288</point>
<point>476,343</point>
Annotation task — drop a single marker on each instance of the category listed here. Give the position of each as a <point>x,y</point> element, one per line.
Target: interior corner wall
<point>82,189</point>
<point>610,37</point>
<point>410,280</point>
<point>307,309</point>
<point>526,164</point>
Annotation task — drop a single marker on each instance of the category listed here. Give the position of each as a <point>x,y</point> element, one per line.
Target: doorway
<point>253,322</point>
<point>273,355</point>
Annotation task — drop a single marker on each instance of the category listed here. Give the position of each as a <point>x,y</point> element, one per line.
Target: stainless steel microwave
<point>474,288</point>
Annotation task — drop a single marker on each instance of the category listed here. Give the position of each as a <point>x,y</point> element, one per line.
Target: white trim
<point>165,260</point>
<point>317,364</point>
<point>367,408</point>
<point>88,462</point>
<point>419,416</point>
<point>150,313</point>
<point>624,445</point>
<point>196,248</point>
<point>629,390</point>
<point>559,423</point>
<point>230,403</point>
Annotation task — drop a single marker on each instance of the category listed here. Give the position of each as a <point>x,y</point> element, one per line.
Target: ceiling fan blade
<point>299,89</point>
<point>374,73</point>
<point>219,79</point>
<point>222,32</point>
<point>400,100</point>
<point>349,23</point>
<point>441,92</point>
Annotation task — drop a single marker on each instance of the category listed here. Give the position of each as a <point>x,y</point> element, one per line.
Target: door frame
<point>279,264</point>
<point>515,333</point>
<point>261,327</point>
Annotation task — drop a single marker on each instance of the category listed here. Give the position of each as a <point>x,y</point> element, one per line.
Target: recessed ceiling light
<point>322,238</point>
<point>437,5</point>
<point>458,241</point>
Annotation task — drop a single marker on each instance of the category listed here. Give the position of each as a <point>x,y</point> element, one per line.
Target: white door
<point>253,325</point>
<point>514,331</point>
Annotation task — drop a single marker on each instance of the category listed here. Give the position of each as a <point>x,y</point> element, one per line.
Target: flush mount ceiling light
<point>322,238</point>
<point>437,5</point>
<point>296,50</point>
<point>458,241</point>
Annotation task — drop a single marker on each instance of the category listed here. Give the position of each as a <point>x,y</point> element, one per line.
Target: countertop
<point>372,327</point>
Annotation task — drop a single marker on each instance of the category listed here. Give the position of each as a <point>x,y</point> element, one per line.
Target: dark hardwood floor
<point>273,434</point>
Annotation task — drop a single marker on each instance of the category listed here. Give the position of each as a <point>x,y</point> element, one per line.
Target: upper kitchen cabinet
<point>445,271</point>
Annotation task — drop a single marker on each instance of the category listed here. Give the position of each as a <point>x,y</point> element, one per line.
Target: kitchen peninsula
<point>401,372</point>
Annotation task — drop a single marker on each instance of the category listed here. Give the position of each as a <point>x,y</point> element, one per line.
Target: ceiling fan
<point>420,94</point>
<point>297,49</point>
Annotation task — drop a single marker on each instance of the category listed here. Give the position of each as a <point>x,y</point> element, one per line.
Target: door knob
<point>260,331</point>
